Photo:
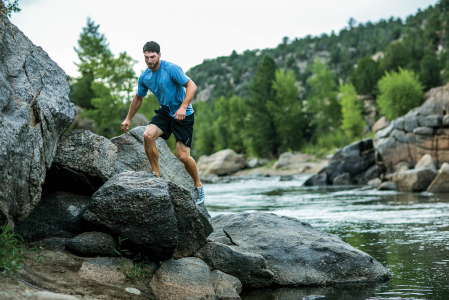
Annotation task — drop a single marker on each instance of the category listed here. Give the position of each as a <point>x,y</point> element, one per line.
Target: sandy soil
<point>59,274</point>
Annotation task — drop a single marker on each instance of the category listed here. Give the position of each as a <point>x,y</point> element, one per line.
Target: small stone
<point>133,291</point>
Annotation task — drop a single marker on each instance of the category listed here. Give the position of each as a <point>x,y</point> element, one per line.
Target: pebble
<point>133,291</point>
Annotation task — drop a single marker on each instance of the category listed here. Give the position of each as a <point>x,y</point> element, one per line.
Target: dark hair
<point>152,47</point>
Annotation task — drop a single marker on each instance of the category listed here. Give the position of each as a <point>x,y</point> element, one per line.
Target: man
<point>175,115</point>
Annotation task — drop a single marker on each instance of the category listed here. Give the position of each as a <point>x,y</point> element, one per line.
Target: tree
<point>429,74</point>
<point>286,111</point>
<point>399,92</point>
<point>396,55</point>
<point>228,129</point>
<point>352,122</point>
<point>366,75</point>
<point>260,136</point>
<point>11,6</point>
<point>322,101</point>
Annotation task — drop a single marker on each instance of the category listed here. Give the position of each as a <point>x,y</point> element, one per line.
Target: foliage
<point>325,143</point>
<point>140,264</point>
<point>322,99</point>
<point>352,123</point>
<point>399,92</point>
<point>12,253</point>
<point>396,55</point>
<point>366,75</point>
<point>12,7</point>
<point>429,73</point>
<point>105,87</point>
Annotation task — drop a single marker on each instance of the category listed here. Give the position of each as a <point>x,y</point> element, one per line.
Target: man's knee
<point>150,135</point>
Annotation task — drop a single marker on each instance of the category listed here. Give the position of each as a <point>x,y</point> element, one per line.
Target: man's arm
<point>190,92</point>
<point>134,107</point>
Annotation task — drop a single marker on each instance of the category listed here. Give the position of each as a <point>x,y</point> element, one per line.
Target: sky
<point>190,31</point>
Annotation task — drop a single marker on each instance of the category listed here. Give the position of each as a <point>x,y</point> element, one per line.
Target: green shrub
<point>399,93</point>
<point>351,109</point>
<point>11,251</point>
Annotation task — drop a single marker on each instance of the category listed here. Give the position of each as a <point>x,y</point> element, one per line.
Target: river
<point>407,232</point>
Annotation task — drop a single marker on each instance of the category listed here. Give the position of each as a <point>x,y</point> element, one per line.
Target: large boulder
<point>131,157</point>
<point>417,179</point>
<point>249,268</point>
<point>35,112</point>
<point>421,131</point>
<point>299,254</point>
<point>158,217</point>
<point>440,183</point>
<point>187,278</point>
<point>223,162</point>
<point>56,215</point>
<point>84,161</point>
<point>226,287</point>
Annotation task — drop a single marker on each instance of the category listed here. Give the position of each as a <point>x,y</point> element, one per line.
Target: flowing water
<point>407,232</point>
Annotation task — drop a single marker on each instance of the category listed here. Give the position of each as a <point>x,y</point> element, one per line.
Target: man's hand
<point>180,114</point>
<point>125,125</point>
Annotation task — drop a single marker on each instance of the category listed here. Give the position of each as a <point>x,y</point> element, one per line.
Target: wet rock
<point>105,269</point>
<point>223,162</point>
<point>226,287</point>
<point>93,244</point>
<point>440,183</point>
<point>157,216</point>
<point>84,161</point>
<point>413,180</point>
<point>387,186</point>
<point>186,278</point>
<point>287,243</point>
<point>35,112</point>
<point>286,178</point>
<point>249,268</point>
<point>374,182</point>
<point>318,179</point>
<point>342,179</point>
<point>57,215</point>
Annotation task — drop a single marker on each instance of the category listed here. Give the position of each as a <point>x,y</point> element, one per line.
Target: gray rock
<point>423,131</point>
<point>93,244</point>
<point>387,186</point>
<point>226,287</point>
<point>410,121</point>
<point>139,120</point>
<point>249,268</point>
<point>57,215</point>
<point>381,124</point>
<point>55,244</point>
<point>223,162</point>
<point>399,124</point>
<point>413,180</point>
<point>84,161</point>
<point>157,216</point>
<point>35,112</point>
<point>319,179</point>
<point>426,162</point>
<point>299,254</point>
<point>446,120</point>
<point>283,160</point>
<point>133,291</point>
<point>440,183</point>
<point>342,179</point>
<point>433,121</point>
<point>374,182</point>
<point>186,278</point>
<point>366,176</point>
<point>131,157</point>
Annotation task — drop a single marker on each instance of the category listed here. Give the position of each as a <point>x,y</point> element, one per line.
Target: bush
<point>399,93</point>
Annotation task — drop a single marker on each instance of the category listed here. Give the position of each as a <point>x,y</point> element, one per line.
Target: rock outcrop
<point>83,162</point>
<point>157,216</point>
<point>424,130</point>
<point>440,183</point>
<point>223,162</point>
<point>35,112</point>
<point>297,253</point>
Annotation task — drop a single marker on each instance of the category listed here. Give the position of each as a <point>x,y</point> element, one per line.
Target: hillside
<point>230,75</point>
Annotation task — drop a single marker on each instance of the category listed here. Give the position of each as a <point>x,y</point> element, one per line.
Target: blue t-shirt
<point>167,84</point>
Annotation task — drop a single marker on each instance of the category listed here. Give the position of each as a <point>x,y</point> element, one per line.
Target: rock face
<point>221,163</point>
<point>297,253</point>
<point>187,278</point>
<point>84,161</point>
<point>35,112</point>
<point>421,131</point>
<point>131,157</point>
<point>56,215</point>
<point>157,216</point>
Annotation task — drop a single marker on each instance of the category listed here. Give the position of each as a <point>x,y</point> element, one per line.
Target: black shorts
<point>182,130</point>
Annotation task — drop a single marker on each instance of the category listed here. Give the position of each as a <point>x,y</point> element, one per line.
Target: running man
<point>174,92</point>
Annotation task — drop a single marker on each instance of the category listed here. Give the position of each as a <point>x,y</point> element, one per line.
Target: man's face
<point>152,59</point>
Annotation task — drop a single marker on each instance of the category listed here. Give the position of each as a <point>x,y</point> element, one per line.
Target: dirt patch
<point>59,274</point>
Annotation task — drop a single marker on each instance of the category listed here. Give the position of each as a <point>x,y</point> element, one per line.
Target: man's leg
<point>189,163</point>
<point>151,134</point>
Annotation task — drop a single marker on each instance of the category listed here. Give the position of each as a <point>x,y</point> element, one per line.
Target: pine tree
<point>352,122</point>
